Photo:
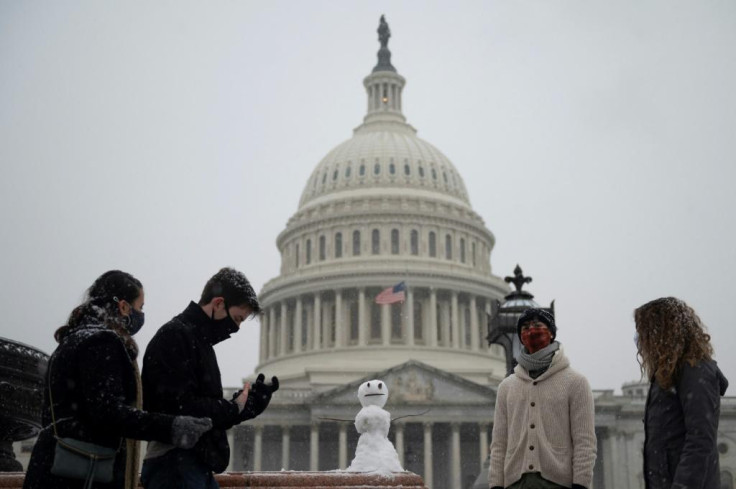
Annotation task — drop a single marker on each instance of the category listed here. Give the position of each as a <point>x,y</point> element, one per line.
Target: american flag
<point>392,295</point>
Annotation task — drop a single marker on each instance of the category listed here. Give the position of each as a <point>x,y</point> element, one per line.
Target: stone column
<point>309,327</point>
<point>399,430</point>
<point>298,325</point>
<point>284,328</point>
<point>314,447</point>
<point>317,325</point>
<point>474,332</point>
<point>428,455</point>
<point>610,449</point>
<point>385,324</point>
<point>339,323</point>
<point>457,339</point>
<point>272,332</point>
<point>264,337</point>
<point>409,316</point>
<point>231,442</point>
<point>343,447</point>
<point>432,323</point>
<point>362,329</point>
<point>285,448</point>
<point>258,448</point>
<point>483,443</point>
<point>455,475</point>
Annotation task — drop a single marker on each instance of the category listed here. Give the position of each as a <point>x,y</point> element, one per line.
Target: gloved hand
<point>186,430</point>
<point>258,397</point>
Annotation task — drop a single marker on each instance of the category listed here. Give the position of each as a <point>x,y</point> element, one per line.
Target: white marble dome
<point>392,157</point>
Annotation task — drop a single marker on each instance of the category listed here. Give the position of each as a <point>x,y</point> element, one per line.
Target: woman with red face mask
<point>543,424</point>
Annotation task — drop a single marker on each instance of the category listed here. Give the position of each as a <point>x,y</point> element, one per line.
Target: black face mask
<point>226,325</point>
<point>135,321</point>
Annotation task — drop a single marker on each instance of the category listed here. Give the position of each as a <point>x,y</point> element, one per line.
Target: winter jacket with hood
<point>94,387</point>
<point>181,377</point>
<point>681,427</point>
<point>544,425</point>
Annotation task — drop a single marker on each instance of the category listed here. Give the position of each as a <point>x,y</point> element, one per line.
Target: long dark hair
<point>670,334</point>
<point>100,306</point>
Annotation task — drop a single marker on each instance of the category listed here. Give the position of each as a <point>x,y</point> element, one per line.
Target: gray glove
<point>186,430</point>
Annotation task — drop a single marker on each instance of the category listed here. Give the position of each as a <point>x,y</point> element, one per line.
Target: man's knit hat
<point>541,315</point>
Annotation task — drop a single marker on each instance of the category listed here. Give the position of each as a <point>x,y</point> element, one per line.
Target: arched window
<point>432,244</point>
<point>309,252</point>
<point>338,245</point>
<point>377,168</point>
<point>448,247</point>
<point>434,174</point>
<point>347,172</point>
<point>324,177</point>
<point>407,169</point>
<point>322,248</point>
<point>394,241</point>
<point>362,170</point>
<point>421,171</point>
<point>392,169</point>
<point>356,243</point>
<point>462,250</point>
<point>376,242</point>
<point>336,172</point>
<point>414,242</point>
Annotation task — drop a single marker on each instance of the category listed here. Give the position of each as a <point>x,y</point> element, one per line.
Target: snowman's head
<point>373,393</point>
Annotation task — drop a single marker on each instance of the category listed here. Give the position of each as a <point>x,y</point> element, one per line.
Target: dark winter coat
<point>681,427</point>
<point>181,376</point>
<point>94,387</point>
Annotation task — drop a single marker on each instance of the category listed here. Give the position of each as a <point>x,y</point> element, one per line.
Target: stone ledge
<point>287,480</point>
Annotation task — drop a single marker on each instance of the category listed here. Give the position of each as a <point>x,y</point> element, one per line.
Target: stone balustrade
<point>287,479</point>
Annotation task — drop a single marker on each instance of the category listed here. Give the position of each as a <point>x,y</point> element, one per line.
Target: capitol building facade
<point>386,207</point>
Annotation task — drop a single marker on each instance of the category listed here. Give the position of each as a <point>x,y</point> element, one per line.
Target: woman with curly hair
<point>683,405</point>
<point>93,391</point>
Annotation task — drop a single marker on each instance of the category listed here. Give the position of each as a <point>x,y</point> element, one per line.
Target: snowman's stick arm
<point>410,415</point>
<point>337,419</point>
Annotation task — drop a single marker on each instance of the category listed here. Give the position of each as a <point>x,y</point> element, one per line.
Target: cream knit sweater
<point>544,425</point>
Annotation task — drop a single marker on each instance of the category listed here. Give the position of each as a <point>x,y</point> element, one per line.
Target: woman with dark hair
<point>683,405</point>
<point>93,390</point>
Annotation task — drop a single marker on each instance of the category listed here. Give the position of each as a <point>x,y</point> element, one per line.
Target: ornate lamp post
<point>503,318</point>
<point>22,371</point>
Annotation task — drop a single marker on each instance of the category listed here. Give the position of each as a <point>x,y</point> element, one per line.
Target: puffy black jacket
<point>93,383</point>
<point>681,428</point>
<point>181,377</point>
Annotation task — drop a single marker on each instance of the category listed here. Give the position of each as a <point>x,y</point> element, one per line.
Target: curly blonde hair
<point>670,334</point>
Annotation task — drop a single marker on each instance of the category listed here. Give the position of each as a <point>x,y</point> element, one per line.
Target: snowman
<point>374,453</point>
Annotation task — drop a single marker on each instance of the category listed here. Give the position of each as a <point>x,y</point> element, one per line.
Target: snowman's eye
<point>380,386</point>
<point>369,384</point>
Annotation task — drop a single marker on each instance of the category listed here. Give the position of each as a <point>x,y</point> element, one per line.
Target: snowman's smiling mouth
<point>377,394</point>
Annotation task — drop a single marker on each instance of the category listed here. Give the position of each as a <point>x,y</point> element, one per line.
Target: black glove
<point>258,397</point>
<point>578,486</point>
<point>186,430</point>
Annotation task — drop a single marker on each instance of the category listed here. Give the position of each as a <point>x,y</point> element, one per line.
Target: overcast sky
<point>169,139</point>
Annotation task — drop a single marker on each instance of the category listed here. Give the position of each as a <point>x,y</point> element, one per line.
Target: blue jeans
<point>177,469</point>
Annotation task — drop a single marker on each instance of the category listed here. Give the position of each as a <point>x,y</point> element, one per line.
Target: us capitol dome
<point>383,207</point>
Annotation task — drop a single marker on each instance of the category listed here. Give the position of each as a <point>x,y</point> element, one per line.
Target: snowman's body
<point>374,453</point>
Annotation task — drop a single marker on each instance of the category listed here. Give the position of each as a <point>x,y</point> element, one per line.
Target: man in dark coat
<point>681,426</point>
<point>181,376</point>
